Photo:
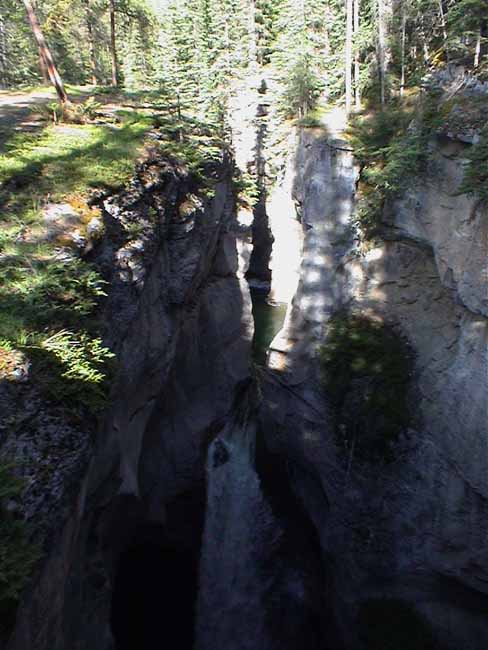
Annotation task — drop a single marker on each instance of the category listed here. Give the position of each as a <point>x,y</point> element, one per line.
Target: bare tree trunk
<point>3,55</point>
<point>404,33</point>
<point>425,47</point>
<point>477,51</point>
<point>91,42</point>
<point>43,67</point>
<point>357,92</point>
<point>384,54</point>
<point>348,58</point>
<point>54,75</point>
<point>444,28</point>
<point>381,51</point>
<point>326,30</point>
<point>113,45</point>
<point>253,50</point>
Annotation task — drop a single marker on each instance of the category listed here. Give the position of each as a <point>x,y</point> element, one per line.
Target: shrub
<point>391,148</point>
<point>73,368</point>
<point>476,173</point>
<point>366,370</point>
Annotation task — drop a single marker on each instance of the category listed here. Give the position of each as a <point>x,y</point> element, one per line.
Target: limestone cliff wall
<point>416,528</point>
<point>181,321</point>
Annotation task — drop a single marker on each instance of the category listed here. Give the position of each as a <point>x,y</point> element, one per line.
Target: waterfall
<point>240,532</point>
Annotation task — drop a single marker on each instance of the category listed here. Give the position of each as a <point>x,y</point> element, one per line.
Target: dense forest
<point>359,49</point>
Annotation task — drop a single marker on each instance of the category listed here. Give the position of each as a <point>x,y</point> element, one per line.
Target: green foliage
<point>73,368</point>
<point>246,189</point>
<point>65,160</point>
<point>311,121</point>
<point>366,371</point>
<point>476,173</point>
<point>39,293</point>
<point>391,624</point>
<point>18,554</point>
<point>392,147</point>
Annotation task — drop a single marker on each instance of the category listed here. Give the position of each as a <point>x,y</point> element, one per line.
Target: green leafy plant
<point>74,368</point>
<point>366,370</point>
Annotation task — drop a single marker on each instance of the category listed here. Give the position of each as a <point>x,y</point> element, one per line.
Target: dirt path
<point>16,111</point>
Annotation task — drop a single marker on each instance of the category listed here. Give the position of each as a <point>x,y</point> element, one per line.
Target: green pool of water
<point>268,320</point>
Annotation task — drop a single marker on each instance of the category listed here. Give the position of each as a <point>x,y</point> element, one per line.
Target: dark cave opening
<point>156,582</point>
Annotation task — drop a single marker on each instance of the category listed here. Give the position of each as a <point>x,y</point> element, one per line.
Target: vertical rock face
<point>182,323</point>
<point>413,528</point>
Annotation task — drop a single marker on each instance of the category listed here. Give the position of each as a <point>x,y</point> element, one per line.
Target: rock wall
<point>181,322</point>
<point>413,529</point>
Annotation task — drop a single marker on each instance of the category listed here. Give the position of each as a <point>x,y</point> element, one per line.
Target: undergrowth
<point>366,372</point>
<point>391,146</point>
<point>476,173</point>
<point>17,553</point>
<point>49,302</point>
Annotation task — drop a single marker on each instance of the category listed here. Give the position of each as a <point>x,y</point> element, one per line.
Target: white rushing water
<point>239,532</point>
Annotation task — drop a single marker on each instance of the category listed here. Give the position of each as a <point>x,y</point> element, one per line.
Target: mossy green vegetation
<point>391,146</point>
<point>393,624</point>
<point>69,159</point>
<point>49,303</point>
<point>74,368</point>
<point>312,120</point>
<point>476,173</point>
<point>18,554</point>
<point>366,369</point>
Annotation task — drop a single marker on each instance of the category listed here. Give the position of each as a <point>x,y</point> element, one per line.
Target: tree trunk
<point>43,67</point>
<point>444,28</point>
<point>53,73</point>
<point>91,42</point>
<point>113,46</point>
<point>253,49</point>
<point>477,51</point>
<point>357,94</point>
<point>326,30</point>
<point>348,60</point>
<point>381,52</point>
<point>3,55</point>
<point>404,33</point>
<point>384,53</point>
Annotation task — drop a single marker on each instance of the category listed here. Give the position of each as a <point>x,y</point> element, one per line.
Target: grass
<point>41,295</point>
<point>45,298</point>
<point>366,372</point>
<point>69,159</point>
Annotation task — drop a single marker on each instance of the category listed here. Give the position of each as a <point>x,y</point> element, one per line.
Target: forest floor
<point>21,110</point>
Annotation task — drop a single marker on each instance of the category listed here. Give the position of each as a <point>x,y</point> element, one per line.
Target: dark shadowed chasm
<point>156,582</point>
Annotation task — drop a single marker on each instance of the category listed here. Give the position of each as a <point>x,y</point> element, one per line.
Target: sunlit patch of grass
<point>63,160</point>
